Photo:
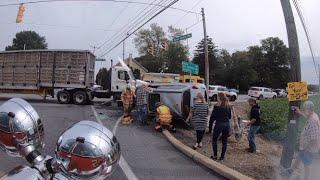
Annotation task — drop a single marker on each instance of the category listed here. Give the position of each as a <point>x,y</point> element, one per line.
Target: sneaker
<point>214,158</point>
<point>250,150</point>
<point>221,158</point>
<point>195,146</point>
<point>200,145</point>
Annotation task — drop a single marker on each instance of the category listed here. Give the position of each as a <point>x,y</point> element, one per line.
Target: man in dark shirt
<point>254,124</point>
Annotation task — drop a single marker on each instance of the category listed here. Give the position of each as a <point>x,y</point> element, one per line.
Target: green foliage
<point>102,78</point>
<point>169,60</point>
<point>199,58</point>
<point>274,116</point>
<point>262,65</point>
<point>29,40</point>
<point>136,73</point>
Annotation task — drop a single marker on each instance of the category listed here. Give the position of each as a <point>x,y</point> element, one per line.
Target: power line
<point>137,21</point>
<point>305,28</point>
<point>115,1</point>
<point>172,3</point>
<point>195,5</point>
<point>123,27</point>
<point>59,26</point>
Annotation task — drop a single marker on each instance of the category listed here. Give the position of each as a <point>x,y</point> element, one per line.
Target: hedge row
<point>274,116</point>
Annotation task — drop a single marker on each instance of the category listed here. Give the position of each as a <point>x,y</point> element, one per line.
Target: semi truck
<point>66,74</point>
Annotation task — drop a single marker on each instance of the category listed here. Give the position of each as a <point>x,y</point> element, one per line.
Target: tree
<point>240,73</point>
<point>213,60</point>
<point>164,60</point>
<point>103,79</point>
<point>136,73</point>
<point>271,62</point>
<point>27,40</point>
<point>146,38</point>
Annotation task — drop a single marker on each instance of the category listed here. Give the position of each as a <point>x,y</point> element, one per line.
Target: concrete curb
<point>204,160</point>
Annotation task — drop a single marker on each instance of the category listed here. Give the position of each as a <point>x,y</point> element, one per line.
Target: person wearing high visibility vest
<point>127,98</point>
<point>163,118</point>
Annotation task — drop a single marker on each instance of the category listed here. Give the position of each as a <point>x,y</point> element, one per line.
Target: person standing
<point>309,139</point>
<point>198,116</point>
<point>254,125</point>
<point>127,97</point>
<point>221,115</point>
<point>141,102</point>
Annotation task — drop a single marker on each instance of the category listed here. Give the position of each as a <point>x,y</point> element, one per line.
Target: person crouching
<point>163,118</point>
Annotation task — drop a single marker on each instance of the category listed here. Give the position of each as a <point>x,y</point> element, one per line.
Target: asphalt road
<point>146,154</point>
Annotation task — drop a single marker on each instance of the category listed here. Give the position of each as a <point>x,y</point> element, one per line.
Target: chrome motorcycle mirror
<point>87,150</point>
<point>21,129</point>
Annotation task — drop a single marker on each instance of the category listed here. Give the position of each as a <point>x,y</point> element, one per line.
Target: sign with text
<point>183,37</point>
<point>297,91</point>
<point>190,68</point>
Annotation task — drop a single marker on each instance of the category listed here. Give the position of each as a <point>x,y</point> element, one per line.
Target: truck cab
<point>121,77</point>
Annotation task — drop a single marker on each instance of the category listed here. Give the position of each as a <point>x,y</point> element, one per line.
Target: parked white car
<point>281,92</point>
<point>215,90</point>
<point>261,93</point>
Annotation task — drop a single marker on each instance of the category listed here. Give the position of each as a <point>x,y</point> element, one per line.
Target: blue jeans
<point>251,137</point>
<point>142,113</point>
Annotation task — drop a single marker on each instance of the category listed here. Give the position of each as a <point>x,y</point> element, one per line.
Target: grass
<point>274,116</point>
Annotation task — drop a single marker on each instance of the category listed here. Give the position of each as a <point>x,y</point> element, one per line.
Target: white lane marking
<point>114,131</point>
<point>96,115</point>
<point>122,163</point>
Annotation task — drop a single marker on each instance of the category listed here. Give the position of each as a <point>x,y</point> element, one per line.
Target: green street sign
<point>98,59</point>
<point>183,37</point>
<point>189,67</point>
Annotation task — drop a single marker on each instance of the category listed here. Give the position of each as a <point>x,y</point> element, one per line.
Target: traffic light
<point>151,50</point>
<point>164,45</point>
<point>20,13</point>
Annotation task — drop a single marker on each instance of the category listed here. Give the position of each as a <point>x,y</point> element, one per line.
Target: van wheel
<point>63,97</point>
<point>274,97</point>
<point>233,98</point>
<point>80,97</point>
<point>260,97</point>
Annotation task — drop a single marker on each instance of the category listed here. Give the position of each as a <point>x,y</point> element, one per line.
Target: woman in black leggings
<point>221,114</point>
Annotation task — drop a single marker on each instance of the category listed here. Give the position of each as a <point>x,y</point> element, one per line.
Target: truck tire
<point>80,97</point>
<point>260,97</point>
<point>64,97</point>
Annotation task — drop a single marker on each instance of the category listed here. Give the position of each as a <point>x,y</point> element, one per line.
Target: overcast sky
<point>233,24</point>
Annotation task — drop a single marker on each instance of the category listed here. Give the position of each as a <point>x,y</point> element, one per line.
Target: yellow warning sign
<point>297,91</point>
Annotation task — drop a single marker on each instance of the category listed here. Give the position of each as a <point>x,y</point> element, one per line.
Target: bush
<point>274,117</point>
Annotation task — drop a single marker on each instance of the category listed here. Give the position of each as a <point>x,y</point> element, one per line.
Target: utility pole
<point>319,77</point>
<point>206,56</point>
<point>295,76</point>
